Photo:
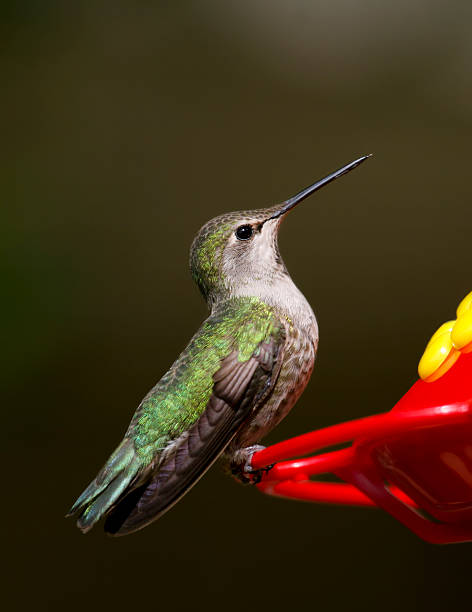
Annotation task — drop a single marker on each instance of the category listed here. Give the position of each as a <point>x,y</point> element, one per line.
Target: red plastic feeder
<point>415,461</point>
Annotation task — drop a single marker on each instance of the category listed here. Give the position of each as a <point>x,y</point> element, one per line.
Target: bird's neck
<point>284,296</point>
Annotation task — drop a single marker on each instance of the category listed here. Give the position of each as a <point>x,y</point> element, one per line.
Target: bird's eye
<point>244,232</point>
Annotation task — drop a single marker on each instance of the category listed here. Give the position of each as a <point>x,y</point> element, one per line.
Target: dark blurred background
<point>126,125</point>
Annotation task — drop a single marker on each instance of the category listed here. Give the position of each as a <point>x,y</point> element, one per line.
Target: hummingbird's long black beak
<point>296,199</point>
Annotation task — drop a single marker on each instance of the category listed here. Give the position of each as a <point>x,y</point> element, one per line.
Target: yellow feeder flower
<point>447,343</point>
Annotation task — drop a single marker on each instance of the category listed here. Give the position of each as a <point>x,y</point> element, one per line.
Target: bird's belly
<point>295,372</point>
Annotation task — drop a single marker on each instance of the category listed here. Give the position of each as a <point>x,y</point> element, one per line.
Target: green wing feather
<point>188,418</point>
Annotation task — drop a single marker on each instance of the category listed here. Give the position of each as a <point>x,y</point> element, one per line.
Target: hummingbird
<point>239,376</point>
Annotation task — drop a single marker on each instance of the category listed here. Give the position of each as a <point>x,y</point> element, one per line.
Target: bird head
<point>240,249</point>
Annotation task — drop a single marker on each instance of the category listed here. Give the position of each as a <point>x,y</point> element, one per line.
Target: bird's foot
<point>241,468</point>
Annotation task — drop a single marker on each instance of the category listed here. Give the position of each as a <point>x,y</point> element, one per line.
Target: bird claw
<point>255,476</point>
<point>242,469</point>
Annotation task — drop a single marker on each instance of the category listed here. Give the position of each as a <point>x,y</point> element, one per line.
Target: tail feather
<point>114,479</point>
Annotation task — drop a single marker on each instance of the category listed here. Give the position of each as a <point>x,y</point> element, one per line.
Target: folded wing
<point>239,387</point>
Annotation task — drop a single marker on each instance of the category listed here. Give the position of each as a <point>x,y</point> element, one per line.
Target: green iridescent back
<point>182,394</point>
